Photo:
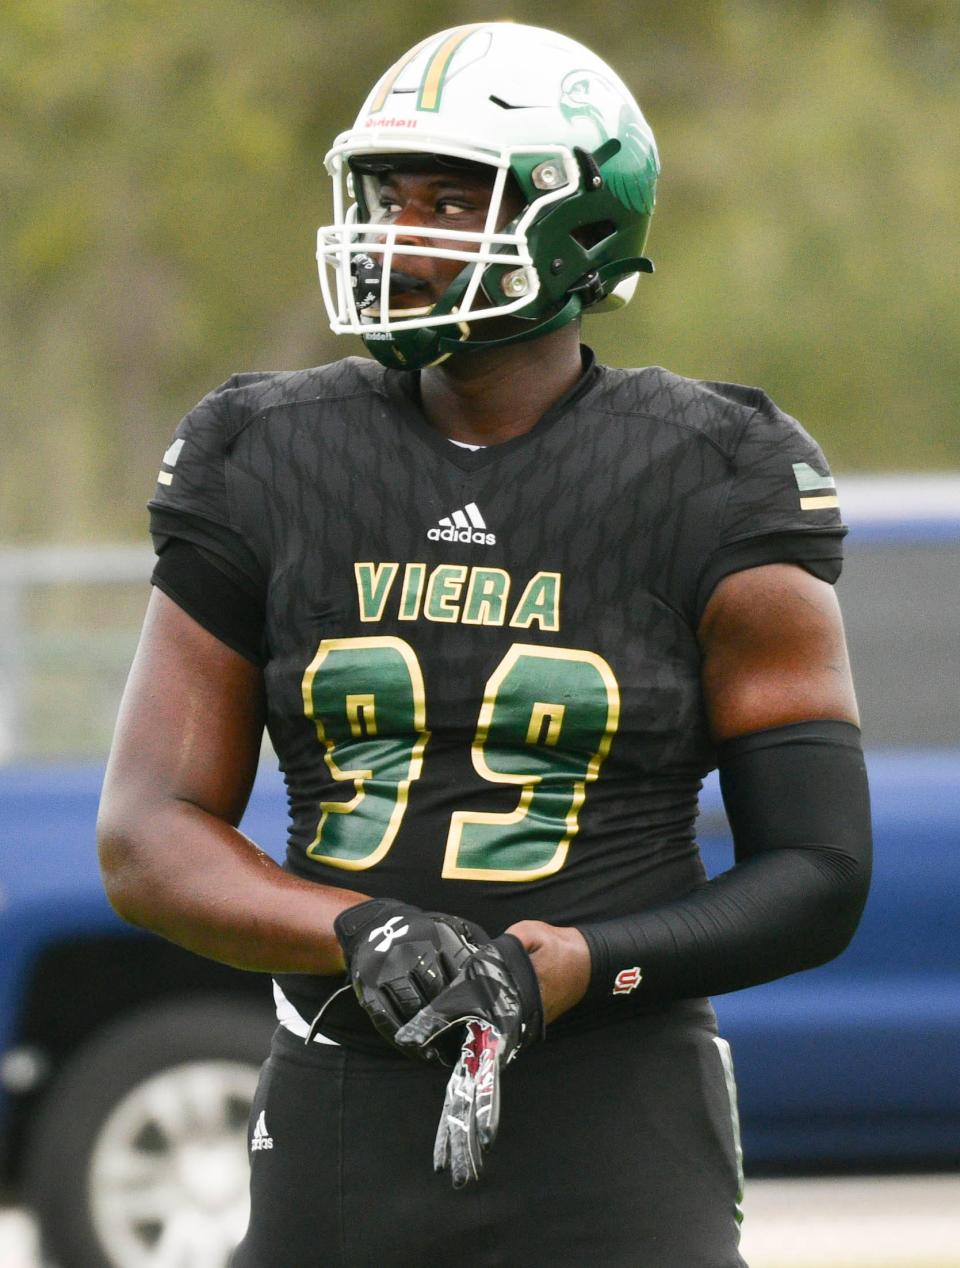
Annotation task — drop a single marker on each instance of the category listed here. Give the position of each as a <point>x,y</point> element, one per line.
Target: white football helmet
<point>534,108</point>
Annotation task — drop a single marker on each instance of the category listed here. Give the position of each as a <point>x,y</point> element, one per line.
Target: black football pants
<point>617,1146</point>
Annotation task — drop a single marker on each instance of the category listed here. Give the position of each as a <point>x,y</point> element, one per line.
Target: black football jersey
<point>482,671</point>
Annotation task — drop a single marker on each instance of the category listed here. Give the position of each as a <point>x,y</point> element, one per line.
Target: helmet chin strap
<point>589,291</point>
<point>431,347</point>
<point>571,309</point>
<point>419,349</point>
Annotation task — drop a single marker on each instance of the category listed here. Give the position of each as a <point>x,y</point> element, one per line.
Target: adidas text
<point>462,535</point>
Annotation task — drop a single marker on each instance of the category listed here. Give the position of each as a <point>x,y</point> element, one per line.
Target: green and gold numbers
<point>546,723</point>
<point>366,698</point>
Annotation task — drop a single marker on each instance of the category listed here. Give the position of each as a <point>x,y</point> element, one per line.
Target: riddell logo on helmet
<point>392,122</point>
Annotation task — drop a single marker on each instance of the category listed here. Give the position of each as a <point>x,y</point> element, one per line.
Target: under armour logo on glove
<point>399,957</point>
<point>390,933</point>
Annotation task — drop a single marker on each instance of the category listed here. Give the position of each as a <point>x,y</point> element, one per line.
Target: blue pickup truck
<point>127,1065</point>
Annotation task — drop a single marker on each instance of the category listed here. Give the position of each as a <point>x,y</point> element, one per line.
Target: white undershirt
<point>290,1019</point>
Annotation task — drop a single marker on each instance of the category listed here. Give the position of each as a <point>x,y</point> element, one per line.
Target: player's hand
<point>493,1008</point>
<point>561,960</point>
<point>399,958</point>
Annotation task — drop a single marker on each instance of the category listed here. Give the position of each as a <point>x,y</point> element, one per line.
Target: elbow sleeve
<point>797,800</point>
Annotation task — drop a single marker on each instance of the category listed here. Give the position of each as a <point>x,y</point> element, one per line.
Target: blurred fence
<point>69,621</point>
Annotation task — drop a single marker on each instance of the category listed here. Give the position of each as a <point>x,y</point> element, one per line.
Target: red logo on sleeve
<point>627,980</point>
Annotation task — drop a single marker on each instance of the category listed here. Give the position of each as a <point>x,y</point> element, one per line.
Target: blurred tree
<point>161,174</point>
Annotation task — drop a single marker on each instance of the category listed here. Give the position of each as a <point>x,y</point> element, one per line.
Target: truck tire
<point>138,1157</point>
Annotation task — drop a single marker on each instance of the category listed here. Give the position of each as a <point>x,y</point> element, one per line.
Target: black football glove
<point>495,1009</point>
<point>399,957</point>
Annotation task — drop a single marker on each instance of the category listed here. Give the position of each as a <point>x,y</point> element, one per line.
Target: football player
<point>500,608</point>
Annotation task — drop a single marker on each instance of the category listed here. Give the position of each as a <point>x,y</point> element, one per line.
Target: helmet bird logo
<point>587,96</point>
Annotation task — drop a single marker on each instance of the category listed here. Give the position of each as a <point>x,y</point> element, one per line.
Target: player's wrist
<point>610,973</point>
<point>561,959</point>
<point>523,974</point>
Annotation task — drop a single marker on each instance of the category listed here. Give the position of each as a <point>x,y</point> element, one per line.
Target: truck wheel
<point>138,1158</point>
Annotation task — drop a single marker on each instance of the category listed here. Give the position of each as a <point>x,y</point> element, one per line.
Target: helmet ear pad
<point>571,240</point>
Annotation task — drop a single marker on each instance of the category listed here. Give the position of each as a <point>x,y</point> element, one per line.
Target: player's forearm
<point>182,873</point>
<point>798,806</point>
<point>767,918</point>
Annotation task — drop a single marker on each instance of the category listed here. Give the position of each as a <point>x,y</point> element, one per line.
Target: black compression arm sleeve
<point>798,806</point>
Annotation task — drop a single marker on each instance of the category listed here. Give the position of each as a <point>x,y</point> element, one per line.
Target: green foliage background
<point>161,177</point>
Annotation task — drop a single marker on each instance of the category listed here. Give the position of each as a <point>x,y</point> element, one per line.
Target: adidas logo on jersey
<point>261,1137</point>
<point>463,526</point>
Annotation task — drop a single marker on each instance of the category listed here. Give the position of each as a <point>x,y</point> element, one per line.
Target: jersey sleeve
<point>200,584</point>
<point>780,505</point>
<point>193,500</point>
